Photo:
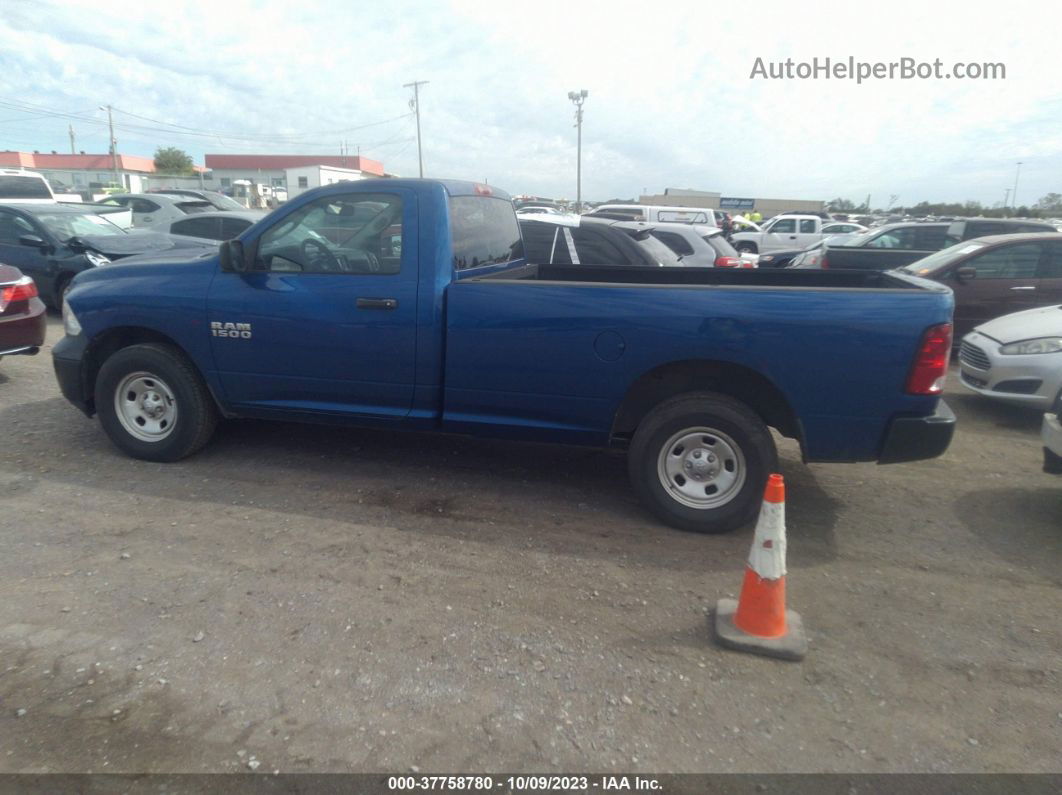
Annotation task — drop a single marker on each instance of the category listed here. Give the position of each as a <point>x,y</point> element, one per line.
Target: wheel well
<point>747,245</point>
<point>61,280</point>
<point>741,383</point>
<point>111,341</point>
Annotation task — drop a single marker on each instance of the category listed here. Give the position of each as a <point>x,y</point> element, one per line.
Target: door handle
<point>1029,287</point>
<point>377,303</point>
<point>792,237</point>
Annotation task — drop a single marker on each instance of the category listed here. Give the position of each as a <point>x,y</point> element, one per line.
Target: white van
<point>658,213</point>
<point>24,187</point>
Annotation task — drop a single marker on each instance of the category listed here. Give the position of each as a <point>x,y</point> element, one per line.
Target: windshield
<point>927,266</point>
<point>67,225</point>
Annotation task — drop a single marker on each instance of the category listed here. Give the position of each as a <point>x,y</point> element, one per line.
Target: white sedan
<point>1016,358</point>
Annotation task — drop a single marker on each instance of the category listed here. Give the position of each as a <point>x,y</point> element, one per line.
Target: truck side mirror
<point>233,258</point>
<point>968,272</point>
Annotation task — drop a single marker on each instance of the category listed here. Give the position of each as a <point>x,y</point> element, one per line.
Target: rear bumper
<point>23,333</point>
<point>67,357</point>
<point>917,438</point>
<point>1052,438</point>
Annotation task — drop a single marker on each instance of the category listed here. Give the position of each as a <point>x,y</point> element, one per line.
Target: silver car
<point>157,211</point>
<point>1016,358</point>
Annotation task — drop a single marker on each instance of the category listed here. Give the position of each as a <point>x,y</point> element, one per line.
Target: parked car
<point>22,314</point>
<point>843,228</point>
<point>893,245</point>
<point>686,368</point>
<point>699,246</point>
<point>1016,358</point>
<point>995,276</point>
<point>1051,434</point>
<point>158,210</point>
<point>24,187</point>
<point>51,243</point>
<point>781,233</point>
<point>657,213</point>
<point>218,200</point>
<point>811,257</point>
<point>219,225</point>
<point>582,240</point>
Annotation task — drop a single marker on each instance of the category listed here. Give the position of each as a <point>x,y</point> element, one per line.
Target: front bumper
<point>1025,380</point>
<point>1051,434</point>
<point>917,438</point>
<point>67,358</point>
<point>23,333</point>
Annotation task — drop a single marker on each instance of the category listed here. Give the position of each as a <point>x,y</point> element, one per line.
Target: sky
<point>671,99</point>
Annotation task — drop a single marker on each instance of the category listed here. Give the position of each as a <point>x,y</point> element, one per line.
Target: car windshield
<point>927,266</point>
<point>67,225</point>
<point>223,202</point>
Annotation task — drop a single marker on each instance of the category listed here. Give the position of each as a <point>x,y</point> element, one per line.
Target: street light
<point>578,98</point>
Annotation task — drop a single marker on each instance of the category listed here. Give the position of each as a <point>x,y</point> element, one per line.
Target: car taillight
<point>930,366</point>
<point>727,262</point>
<point>824,265</point>
<point>22,290</point>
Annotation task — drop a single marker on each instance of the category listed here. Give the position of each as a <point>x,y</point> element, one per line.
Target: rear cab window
<point>24,187</point>
<point>485,232</point>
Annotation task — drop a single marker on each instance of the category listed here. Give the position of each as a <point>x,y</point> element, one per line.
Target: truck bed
<point>714,277</point>
<point>556,348</point>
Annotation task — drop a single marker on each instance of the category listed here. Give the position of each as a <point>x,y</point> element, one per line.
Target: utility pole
<point>578,98</point>
<point>114,146</point>
<point>415,105</point>
<point>73,148</point>
<point>1014,195</point>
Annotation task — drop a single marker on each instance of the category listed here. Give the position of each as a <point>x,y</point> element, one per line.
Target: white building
<point>303,178</point>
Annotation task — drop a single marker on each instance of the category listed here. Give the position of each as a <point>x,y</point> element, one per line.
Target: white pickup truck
<point>781,232</point>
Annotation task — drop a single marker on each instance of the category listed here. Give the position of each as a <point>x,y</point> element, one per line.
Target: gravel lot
<point>299,598</point>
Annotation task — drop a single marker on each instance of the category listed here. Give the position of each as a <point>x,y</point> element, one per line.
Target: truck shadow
<point>566,500</point>
<point>1011,522</point>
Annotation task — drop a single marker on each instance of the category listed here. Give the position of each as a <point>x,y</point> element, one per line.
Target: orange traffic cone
<point>759,622</point>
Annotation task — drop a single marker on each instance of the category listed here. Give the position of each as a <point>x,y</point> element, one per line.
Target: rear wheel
<point>700,461</point>
<point>153,404</point>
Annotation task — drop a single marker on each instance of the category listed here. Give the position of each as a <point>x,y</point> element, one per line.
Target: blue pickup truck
<point>408,304</point>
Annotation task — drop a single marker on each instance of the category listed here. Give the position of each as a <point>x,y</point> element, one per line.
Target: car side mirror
<point>962,274</point>
<point>233,257</point>
<point>32,240</point>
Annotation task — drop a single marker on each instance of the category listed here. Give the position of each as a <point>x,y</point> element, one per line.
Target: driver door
<point>326,319</point>
<point>780,235</point>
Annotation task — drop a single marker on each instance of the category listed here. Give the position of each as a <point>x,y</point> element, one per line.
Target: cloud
<point>671,101</point>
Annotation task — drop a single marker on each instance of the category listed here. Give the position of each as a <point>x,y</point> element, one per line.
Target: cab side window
<point>357,234</point>
<point>807,227</point>
<point>784,226</point>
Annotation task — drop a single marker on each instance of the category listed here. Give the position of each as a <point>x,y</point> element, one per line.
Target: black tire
<point>196,414</point>
<point>752,452</point>
<point>744,247</point>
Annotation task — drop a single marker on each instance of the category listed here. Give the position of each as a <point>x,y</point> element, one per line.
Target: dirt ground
<point>304,599</point>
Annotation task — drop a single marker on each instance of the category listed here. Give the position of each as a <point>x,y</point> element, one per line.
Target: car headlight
<point>70,324</point>
<point>96,259</point>
<point>1040,345</point>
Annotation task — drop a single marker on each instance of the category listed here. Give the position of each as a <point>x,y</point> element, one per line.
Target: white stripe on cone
<point>767,557</point>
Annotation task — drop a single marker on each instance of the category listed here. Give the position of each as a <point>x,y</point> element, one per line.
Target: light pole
<point>1006,201</point>
<point>578,98</point>
<point>1014,194</point>
<point>415,85</point>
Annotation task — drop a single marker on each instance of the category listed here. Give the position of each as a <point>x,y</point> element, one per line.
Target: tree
<point>841,205</point>
<point>171,160</point>
<point>1052,202</point>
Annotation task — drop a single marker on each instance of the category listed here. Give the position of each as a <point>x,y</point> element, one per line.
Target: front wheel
<point>153,404</point>
<point>744,247</point>
<point>700,462</point>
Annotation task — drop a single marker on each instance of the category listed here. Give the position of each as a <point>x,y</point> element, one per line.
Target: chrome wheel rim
<point>701,468</point>
<point>146,407</point>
